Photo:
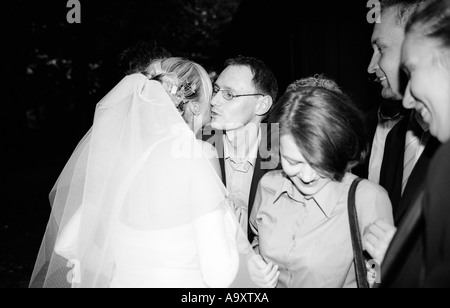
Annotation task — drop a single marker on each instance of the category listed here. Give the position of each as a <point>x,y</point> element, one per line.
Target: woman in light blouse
<point>300,218</point>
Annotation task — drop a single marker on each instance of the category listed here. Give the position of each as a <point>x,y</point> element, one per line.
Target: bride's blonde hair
<point>183,79</point>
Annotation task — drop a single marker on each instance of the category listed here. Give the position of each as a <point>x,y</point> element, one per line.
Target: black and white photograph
<point>224,148</point>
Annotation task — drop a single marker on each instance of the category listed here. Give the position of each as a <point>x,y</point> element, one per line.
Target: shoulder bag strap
<point>360,266</point>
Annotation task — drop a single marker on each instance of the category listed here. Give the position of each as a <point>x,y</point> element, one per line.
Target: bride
<point>140,202</point>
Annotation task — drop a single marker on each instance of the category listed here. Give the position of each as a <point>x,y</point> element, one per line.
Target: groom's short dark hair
<point>263,78</point>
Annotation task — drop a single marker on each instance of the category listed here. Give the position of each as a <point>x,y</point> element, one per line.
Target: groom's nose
<point>214,100</point>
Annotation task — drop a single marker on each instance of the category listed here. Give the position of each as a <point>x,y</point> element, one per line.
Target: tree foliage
<point>67,65</point>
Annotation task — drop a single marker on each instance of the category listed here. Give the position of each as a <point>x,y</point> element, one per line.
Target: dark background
<point>55,72</point>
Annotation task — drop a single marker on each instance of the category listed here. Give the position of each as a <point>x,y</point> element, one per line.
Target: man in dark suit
<point>408,151</point>
<point>243,95</point>
<point>408,137</point>
<point>399,165</point>
<point>428,92</point>
<point>379,121</point>
<point>387,38</point>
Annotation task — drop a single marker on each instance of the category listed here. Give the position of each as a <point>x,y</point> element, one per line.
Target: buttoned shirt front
<point>240,153</point>
<point>309,238</point>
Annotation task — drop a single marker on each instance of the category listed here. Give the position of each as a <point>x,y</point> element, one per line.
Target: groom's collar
<point>243,143</point>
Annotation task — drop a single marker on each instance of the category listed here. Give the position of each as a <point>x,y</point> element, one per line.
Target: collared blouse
<point>309,238</point>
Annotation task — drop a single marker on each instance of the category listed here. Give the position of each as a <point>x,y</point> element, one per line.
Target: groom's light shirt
<point>240,153</point>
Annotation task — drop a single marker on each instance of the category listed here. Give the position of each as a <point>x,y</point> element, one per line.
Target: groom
<point>243,95</point>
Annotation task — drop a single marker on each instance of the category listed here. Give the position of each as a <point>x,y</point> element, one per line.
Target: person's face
<point>307,180</point>
<point>428,91</point>
<point>387,41</point>
<point>240,111</point>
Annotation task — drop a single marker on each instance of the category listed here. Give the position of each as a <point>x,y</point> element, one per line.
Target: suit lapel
<point>416,180</point>
<point>391,175</point>
<point>222,164</point>
<point>257,175</point>
<point>215,138</point>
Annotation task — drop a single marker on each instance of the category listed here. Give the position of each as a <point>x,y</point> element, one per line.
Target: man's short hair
<point>405,8</point>
<point>264,79</point>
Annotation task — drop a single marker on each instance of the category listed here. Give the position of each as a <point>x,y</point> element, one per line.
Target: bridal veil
<point>140,166</point>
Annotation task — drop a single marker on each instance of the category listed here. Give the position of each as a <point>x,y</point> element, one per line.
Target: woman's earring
<point>197,120</point>
<point>195,109</point>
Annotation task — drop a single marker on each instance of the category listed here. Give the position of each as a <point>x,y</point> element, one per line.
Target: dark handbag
<point>360,266</point>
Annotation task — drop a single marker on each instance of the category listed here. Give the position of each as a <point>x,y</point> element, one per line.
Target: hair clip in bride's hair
<point>174,90</point>
<point>187,90</point>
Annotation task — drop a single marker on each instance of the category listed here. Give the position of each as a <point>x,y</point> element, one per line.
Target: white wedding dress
<point>165,259</point>
<point>137,205</point>
<point>156,259</point>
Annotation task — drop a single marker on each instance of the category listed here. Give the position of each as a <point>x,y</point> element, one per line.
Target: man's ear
<point>195,108</point>
<point>264,105</point>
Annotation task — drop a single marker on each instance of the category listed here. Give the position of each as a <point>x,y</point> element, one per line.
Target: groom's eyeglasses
<point>228,95</point>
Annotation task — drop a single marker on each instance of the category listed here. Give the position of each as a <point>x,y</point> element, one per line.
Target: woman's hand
<point>263,274</point>
<point>377,238</point>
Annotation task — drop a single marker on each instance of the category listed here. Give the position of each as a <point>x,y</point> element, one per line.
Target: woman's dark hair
<point>328,129</point>
<point>136,58</point>
<point>433,20</point>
